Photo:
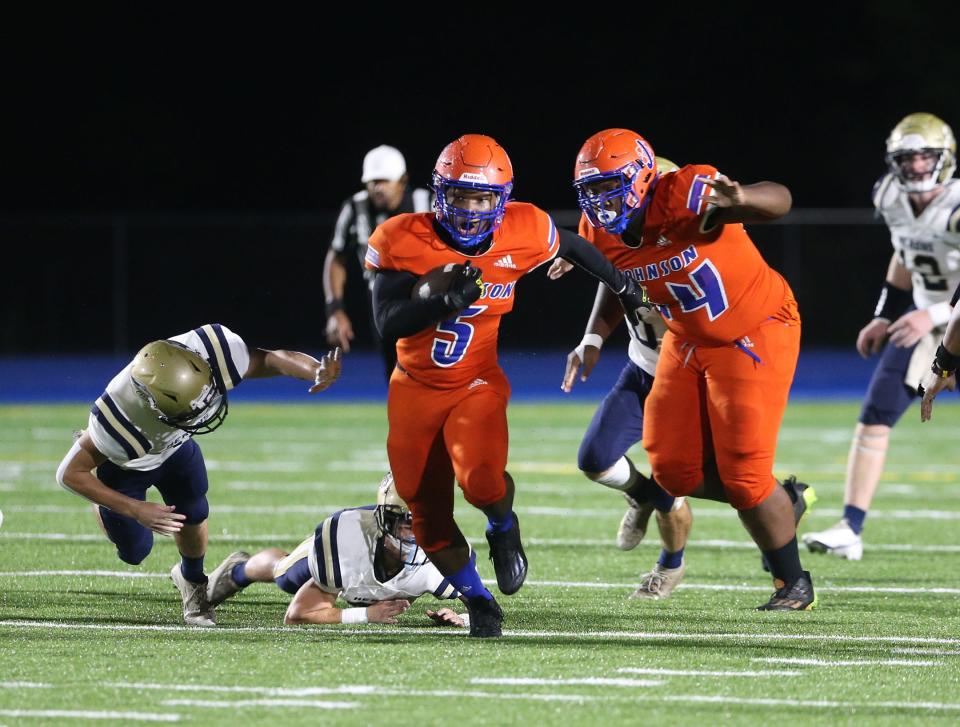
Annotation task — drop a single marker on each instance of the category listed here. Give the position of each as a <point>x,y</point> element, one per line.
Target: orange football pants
<point>718,401</point>
<point>438,435</point>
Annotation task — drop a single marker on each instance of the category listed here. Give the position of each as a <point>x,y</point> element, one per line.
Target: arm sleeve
<point>581,253</point>
<point>396,314</point>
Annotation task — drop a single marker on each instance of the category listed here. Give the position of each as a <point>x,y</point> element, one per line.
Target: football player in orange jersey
<point>733,334</point>
<point>448,396</point>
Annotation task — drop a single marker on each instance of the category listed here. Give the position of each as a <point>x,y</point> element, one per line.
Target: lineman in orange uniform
<point>448,396</point>
<point>728,357</point>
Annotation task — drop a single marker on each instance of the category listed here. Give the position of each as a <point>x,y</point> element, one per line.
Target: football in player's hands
<point>460,285</point>
<point>436,281</point>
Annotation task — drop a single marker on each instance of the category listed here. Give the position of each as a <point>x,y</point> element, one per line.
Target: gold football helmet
<point>179,386</point>
<point>391,512</point>
<point>665,166</point>
<point>926,134</point>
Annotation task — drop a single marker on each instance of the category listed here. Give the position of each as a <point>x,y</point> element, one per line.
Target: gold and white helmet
<point>921,133</point>
<point>390,513</point>
<point>179,386</point>
<point>665,166</point>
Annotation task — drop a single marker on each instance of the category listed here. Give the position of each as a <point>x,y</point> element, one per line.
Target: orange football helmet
<point>478,163</point>
<point>613,174</point>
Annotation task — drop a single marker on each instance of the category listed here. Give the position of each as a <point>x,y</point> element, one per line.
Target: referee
<point>386,194</point>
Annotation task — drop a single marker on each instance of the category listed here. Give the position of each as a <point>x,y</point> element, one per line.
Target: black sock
<point>785,562</point>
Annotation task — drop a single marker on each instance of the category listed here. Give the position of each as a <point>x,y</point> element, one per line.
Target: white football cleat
<point>633,525</point>
<point>838,540</point>
<point>197,611</point>
<point>660,582</point>
<point>220,585</point>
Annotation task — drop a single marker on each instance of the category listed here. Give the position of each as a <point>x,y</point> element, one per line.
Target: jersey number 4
<point>447,352</point>
<point>706,292</point>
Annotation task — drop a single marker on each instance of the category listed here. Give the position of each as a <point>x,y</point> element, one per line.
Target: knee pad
<point>196,510</point>
<point>592,458</point>
<point>483,486</point>
<point>135,550</point>
<point>675,475</point>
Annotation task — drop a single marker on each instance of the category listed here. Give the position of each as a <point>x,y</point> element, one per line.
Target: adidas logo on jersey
<point>505,262</point>
<point>475,383</point>
<point>663,241</point>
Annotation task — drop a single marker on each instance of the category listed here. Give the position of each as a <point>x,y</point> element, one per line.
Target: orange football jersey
<point>458,350</point>
<point>712,284</point>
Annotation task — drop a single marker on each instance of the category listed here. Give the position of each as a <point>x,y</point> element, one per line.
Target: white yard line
<point>820,703</point>
<point>236,704</point>
<point>354,689</point>
<point>458,633</point>
<point>542,542</point>
<point>580,681</point>
<point>741,587</point>
<point>846,662</point>
<point>927,652</point>
<point>79,714</point>
<point>707,673</point>
<point>318,510</point>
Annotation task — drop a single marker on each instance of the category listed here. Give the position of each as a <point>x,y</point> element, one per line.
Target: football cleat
<point>220,584</point>
<point>838,540</point>
<point>509,560</point>
<point>803,497</point>
<point>796,596</point>
<point>486,618</point>
<point>660,582</point>
<point>197,611</point>
<point>633,525</point>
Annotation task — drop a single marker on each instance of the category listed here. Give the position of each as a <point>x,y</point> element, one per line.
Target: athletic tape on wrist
<point>589,339</point>
<point>353,616</point>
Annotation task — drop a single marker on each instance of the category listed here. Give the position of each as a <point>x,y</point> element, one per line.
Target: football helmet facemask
<point>391,513</point>
<point>178,384</point>
<point>927,135</point>
<point>476,163</point>
<point>613,174</point>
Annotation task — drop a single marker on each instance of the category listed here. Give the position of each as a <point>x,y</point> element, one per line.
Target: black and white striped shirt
<point>358,218</point>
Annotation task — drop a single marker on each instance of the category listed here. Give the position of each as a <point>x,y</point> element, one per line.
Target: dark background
<point>184,168</point>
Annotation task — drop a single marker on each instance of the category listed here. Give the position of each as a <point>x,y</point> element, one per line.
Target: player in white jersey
<point>920,203</point>
<point>140,434</point>
<point>366,556</point>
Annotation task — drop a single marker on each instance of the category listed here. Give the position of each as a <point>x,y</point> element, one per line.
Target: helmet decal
<point>613,175</point>
<point>473,179</point>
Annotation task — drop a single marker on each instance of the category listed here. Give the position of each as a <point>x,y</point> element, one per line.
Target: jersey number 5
<point>447,352</point>
<point>707,291</point>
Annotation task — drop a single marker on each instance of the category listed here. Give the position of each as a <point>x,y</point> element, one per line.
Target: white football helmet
<point>921,133</point>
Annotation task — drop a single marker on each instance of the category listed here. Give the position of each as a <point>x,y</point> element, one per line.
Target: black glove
<point>633,299</point>
<point>465,288</point>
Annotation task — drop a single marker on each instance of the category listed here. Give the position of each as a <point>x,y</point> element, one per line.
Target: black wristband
<point>334,305</point>
<point>893,302</point>
<point>945,361</point>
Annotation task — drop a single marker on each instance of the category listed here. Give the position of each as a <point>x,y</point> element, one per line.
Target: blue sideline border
<point>534,375</point>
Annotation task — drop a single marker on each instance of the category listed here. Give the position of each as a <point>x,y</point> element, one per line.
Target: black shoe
<point>486,618</point>
<point>509,560</point>
<point>802,496</point>
<point>796,596</point>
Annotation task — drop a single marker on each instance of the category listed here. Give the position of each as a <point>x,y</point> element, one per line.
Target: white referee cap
<point>383,162</point>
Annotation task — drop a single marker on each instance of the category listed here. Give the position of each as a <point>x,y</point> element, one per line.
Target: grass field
<point>85,637</point>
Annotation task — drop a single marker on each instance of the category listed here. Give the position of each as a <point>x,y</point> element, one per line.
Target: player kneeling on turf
<point>365,555</point>
<point>140,435</point>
